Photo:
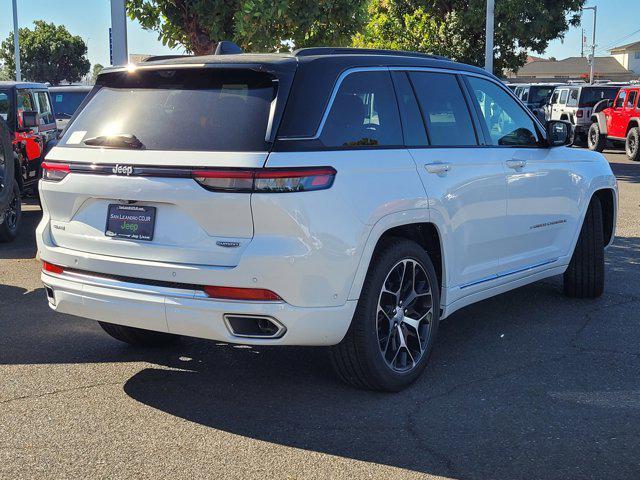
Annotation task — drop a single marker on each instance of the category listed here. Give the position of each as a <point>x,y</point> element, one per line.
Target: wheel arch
<point>601,119</point>
<point>416,228</point>
<point>634,122</point>
<point>607,197</point>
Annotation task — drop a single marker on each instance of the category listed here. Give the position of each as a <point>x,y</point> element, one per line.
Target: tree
<point>255,25</point>
<point>95,71</point>
<point>48,53</point>
<point>4,73</point>
<point>456,28</point>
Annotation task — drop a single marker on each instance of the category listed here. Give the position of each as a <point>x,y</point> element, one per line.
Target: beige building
<point>572,68</point>
<point>628,56</point>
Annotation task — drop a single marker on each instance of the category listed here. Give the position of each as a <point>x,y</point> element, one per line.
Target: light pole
<point>119,33</point>
<point>593,43</point>
<point>16,43</point>
<point>488,49</point>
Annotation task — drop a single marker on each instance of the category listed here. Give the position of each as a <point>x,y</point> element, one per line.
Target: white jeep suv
<point>337,197</point>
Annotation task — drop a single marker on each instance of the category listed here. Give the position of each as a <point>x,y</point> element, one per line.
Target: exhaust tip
<point>254,326</point>
<point>50,295</point>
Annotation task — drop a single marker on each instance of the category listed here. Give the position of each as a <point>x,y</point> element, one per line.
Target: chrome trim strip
<point>281,328</point>
<point>113,284</point>
<point>507,273</point>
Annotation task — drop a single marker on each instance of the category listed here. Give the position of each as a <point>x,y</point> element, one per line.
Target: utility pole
<point>119,33</point>
<point>592,59</point>
<point>16,43</point>
<point>582,44</point>
<point>488,50</point>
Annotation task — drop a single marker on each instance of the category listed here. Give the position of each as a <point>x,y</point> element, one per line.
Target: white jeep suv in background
<point>337,197</point>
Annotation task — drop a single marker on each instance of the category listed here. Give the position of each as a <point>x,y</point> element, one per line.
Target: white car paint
<point>505,216</point>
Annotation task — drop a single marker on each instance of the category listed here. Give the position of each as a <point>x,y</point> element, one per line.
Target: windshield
<point>539,95</point>
<point>189,110</point>
<point>4,104</point>
<point>66,103</point>
<point>592,95</point>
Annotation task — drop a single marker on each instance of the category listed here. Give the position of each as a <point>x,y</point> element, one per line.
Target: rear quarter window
<point>180,110</point>
<point>364,113</point>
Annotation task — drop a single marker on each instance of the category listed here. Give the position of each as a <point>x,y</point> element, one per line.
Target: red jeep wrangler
<point>26,108</point>
<point>618,121</point>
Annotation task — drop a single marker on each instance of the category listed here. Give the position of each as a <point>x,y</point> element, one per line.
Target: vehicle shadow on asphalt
<point>528,384</point>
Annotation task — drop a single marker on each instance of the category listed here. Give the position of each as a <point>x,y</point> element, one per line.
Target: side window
<point>554,97</point>
<point>24,101</point>
<point>631,99</point>
<point>444,109</point>
<point>44,108</point>
<point>620,100</point>
<point>412,124</point>
<point>573,98</point>
<point>4,105</point>
<point>563,97</point>
<point>364,113</point>
<point>525,95</point>
<point>507,122</point>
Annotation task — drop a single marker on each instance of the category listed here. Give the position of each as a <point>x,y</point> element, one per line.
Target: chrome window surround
<point>349,71</point>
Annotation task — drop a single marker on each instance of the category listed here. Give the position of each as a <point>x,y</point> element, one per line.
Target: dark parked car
<point>31,127</point>
<point>66,100</point>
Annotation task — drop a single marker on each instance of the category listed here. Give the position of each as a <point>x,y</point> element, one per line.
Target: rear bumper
<point>188,312</point>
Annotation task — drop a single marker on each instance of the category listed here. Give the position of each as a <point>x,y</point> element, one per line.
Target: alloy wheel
<point>404,315</point>
<point>11,214</point>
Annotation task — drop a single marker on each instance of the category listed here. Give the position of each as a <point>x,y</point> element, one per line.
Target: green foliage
<point>456,28</point>
<point>48,53</point>
<point>4,73</point>
<point>95,71</point>
<point>255,25</point>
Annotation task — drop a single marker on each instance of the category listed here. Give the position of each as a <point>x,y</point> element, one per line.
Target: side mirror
<point>559,133</point>
<point>30,119</point>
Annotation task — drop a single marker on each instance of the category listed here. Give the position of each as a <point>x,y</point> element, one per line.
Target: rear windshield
<point>592,95</point>
<point>66,103</point>
<point>193,110</point>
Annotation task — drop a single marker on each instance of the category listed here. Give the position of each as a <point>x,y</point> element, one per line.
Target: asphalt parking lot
<point>527,385</point>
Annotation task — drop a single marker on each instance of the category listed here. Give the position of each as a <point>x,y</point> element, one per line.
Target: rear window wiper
<point>116,141</point>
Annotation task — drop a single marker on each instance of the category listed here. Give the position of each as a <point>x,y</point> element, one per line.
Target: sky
<point>91,20</point>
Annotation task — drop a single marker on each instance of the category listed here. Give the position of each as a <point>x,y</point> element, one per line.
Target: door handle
<point>438,168</point>
<point>515,164</point>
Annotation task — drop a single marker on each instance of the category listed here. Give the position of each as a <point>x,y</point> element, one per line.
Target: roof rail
<point>311,51</point>
<point>153,58</point>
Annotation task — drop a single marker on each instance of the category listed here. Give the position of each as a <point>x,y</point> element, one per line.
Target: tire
<point>585,276</point>
<point>595,140</point>
<point>632,145</point>
<point>359,359</point>
<point>12,215</point>
<point>139,337</point>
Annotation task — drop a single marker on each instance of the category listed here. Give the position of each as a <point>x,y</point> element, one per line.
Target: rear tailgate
<point>135,147</point>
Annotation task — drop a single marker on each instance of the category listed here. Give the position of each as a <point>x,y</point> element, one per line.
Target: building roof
<point>572,66</point>
<point>628,46</point>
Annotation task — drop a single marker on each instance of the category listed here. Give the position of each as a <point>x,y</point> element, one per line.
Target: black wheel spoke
<point>404,315</point>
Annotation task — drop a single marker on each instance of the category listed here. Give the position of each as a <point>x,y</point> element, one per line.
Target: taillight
<point>54,172</point>
<point>248,294</point>
<point>266,180</point>
<point>51,268</point>
<point>579,113</point>
<point>294,180</point>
